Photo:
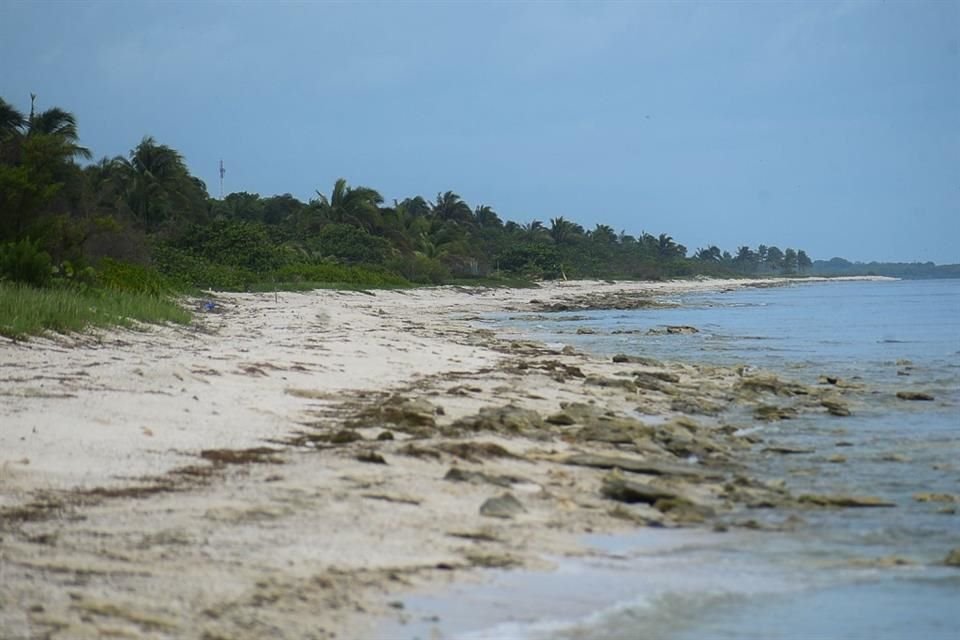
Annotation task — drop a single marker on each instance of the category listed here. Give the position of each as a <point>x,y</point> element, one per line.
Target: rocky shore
<point>292,465</point>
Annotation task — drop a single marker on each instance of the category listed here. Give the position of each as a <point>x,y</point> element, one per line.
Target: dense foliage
<point>144,223</point>
<point>911,270</point>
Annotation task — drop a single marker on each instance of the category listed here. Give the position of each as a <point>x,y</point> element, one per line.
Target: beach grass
<point>28,311</point>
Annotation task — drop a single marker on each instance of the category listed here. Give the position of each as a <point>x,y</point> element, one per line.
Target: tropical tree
<point>40,186</point>
<point>277,209</point>
<point>562,230</point>
<point>57,123</point>
<point>762,254</point>
<point>12,122</point>
<point>241,206</point>
<point>157,185</point>
<point>745,260</point>
<point>603,234</point>
<point>358,206</point>
<point>803,261</point>
<point>710,254</point>
<point>667,248</point>
<point>486,217</point>
<point>774,260</point>
<point>790,261</point>
<point>449,206</point>
<point>416,206</point>
<point>534,230</point>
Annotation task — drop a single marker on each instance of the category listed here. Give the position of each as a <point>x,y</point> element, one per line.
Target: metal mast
<point>222,172</point>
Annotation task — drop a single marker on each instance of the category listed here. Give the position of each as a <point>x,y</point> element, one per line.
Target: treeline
<point>143,221</point>
<point>910,270</point>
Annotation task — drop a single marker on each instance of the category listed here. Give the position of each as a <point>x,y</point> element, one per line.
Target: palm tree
<point>667,248</point>
<point>486,217</point>
<point>533,230</point>
<point>746,259</point>
<point>12,122</point>
<point>710,254</point>
<point>774,259</point>
<point>403,225</point>
<point>449,206</point>
<point>560,229</point>
<point>155,178</point>
<point>57,123</point>
<point>604,234</point>
<point>416,206</point>
<point>359,206</point>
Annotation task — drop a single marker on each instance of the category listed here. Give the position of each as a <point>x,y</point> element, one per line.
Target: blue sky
<point>828,126</point>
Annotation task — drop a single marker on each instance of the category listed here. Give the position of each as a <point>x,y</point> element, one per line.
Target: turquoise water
<point>814,581</point>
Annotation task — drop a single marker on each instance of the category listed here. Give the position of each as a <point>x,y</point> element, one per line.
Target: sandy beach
<point>288,464</point>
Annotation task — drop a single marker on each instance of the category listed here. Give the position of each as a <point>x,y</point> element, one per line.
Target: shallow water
<point>805,583</point>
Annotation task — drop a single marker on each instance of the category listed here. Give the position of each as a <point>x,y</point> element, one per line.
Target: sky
<point>832,127</point>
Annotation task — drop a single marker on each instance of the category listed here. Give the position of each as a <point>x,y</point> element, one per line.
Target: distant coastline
<point>905,270</point>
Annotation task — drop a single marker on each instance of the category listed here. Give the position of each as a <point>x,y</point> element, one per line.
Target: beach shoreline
<point>236,479</point>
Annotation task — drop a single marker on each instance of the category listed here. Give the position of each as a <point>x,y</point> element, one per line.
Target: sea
<point>847,574</point>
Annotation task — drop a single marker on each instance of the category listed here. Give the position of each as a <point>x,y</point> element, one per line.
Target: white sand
<point>92,411</point>
<point>301,549</point>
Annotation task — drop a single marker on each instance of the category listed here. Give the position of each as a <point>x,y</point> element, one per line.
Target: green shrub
<point>330,273</point>
<point>419,268</point>
<point>187,271</point>
<point>352,244</point>
<point>25,262</point>
<point>123,276</point>
<point>234,243</point>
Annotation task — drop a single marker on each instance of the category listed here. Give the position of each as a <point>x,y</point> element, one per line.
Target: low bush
<point>123,276</point>
<point>186,271</point>
<point>331,273</point>
<point>26,263</point>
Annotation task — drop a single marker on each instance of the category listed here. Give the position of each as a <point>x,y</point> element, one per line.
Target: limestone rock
<point>935,497</point>
<point>659,374</point>
<point>771,413</point>
<point>644,380</point>
<point>502,506</point>
<point>822,500</point>
<point>647,362</point>
<point>561,418</point>
<point>953,558</point>
<point>671,330</point>
<point>695,405</point>
<point>914,395</point>
<point>509,418</point>
<point>633,465</point>
<point>410,412</point>
<point>345,436</point>
<point>456,474</point>
<point>621,489</point>
<point>835,407</point>
<point>600,381</point>
<point>785,449</point>
<point>767,383</point>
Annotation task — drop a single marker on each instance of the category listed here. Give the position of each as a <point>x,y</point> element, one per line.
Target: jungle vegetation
<point>60,208</point>
<point>142,223</point>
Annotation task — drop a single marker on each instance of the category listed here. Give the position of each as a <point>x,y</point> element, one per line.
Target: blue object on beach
<point>208,305</point>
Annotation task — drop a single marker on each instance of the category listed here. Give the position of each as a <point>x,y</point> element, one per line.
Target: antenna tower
<point>222,172</point>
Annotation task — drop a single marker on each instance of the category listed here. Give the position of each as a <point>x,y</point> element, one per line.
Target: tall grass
<point>29,311</point>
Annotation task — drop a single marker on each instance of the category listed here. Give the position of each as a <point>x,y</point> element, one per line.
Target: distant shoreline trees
<point>147,209</point>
